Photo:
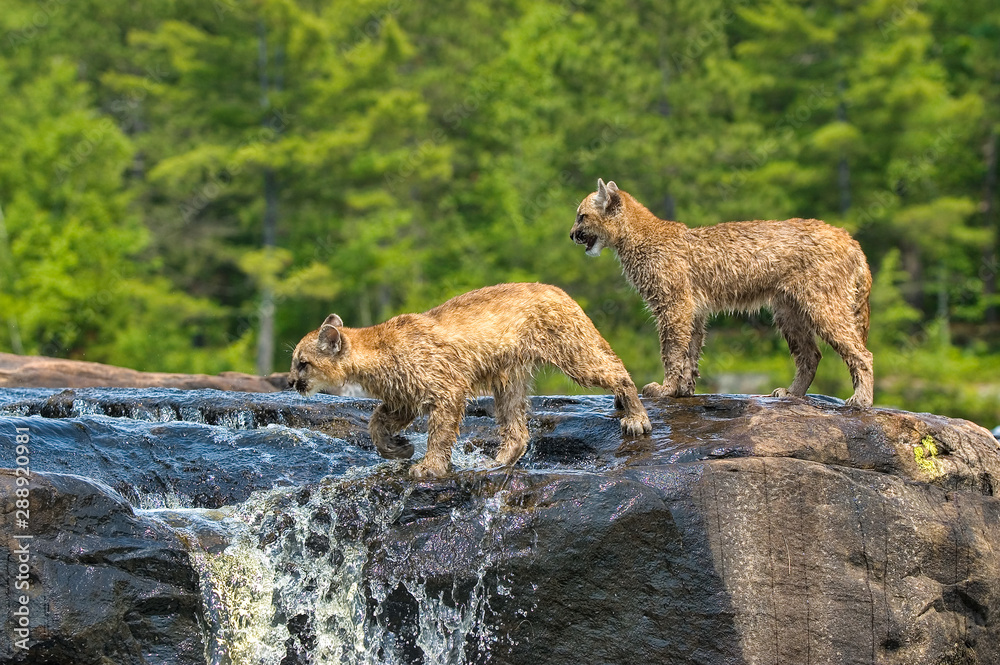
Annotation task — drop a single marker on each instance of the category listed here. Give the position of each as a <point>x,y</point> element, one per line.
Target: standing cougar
<point>813,276</point>
<point>486,340</point>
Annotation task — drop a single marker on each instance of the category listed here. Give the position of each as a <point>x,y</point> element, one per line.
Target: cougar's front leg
<point>442,431</point>
<point>675,326</point>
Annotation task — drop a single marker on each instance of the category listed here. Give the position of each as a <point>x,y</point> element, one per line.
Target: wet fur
<point>814,277</point>
<point>489,340</point>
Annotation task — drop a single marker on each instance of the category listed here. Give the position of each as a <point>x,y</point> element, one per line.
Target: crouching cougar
<point>488,340</point>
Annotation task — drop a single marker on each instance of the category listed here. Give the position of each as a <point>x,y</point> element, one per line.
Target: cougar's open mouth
<point>592,243</point>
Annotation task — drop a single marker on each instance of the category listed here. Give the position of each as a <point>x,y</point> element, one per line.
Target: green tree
<point>317,132</point>
<point>866,129</point>
<point>67,239</point>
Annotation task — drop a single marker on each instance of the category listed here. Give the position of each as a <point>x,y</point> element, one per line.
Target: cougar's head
<point>318,359</point>
<point>595,218</point>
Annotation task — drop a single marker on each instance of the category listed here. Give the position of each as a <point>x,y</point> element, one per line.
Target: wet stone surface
<point>264,529</point>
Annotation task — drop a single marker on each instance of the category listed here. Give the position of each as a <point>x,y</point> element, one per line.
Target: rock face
<point>745,530</point>
<point>106,586</point>
<point>41,372</point>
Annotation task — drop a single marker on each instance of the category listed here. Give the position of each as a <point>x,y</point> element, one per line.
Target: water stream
<point>283,523</point>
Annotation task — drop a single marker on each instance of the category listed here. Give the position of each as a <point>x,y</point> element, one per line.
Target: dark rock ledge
<point>746,530</point>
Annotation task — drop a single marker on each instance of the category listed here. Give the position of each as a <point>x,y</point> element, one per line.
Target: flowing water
<point>283,523</point>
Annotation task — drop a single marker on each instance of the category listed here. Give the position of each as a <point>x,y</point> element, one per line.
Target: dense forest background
<point>180,177</point>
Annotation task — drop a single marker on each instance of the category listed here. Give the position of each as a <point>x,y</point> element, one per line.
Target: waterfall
<point>308,577</point>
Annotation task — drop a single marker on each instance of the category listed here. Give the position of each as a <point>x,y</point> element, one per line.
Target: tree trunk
<point>669,207</point>
<point>265,339</point>
<point>944,332</point>
<point>843,168</point>
<point>988,205</point>
<point>913,289</point>
<point>665,109</point>
<point>265,342</point>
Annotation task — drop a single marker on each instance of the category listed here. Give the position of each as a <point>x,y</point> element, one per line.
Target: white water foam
<point>243,419</point>
<point>84,408</point>
<point>308,573</point>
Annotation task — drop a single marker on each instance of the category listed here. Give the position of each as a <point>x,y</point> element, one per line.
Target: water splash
<point>309,578</point>
<point>241,419</point>
<point>237,586</point>
<point>83,407</point>
<point>444,629</point>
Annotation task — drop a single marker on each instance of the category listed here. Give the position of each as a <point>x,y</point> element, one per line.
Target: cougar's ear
<point>602,194</point>
<point>612,201</point>
<point>329,340</point>
<point>606,195</point>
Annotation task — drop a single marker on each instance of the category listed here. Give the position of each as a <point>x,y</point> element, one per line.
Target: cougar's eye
<point>303,364</point>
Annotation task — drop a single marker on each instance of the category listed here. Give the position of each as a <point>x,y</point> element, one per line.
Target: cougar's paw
<point>855,400</point>
<point>658,390</point>
<point>636,425</point>
<point>509,457</point>
<point>427,470</point>
<point>654,390</point>
<point>398,447</point>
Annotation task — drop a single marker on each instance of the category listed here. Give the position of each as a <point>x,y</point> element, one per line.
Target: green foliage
<point>68,238</point>
<point>925,455</point>
<point>414,151</point>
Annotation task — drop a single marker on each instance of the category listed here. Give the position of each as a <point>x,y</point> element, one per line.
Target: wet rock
<point>184,463</point>
<point>744,530</point>
<point>341,418</point>
<point>106,584</point>
<point>747,530</point>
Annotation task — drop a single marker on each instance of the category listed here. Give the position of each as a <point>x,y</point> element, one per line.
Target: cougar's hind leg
<point>384,426</point>
<point>800,334</point>
<point>601,368</point>
<point>511,401</point>
<point>839,330</point>
<point>689,377</point>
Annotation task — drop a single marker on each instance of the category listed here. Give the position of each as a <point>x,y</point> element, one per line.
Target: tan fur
<point>490,340</point>
<point>813,276</point>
